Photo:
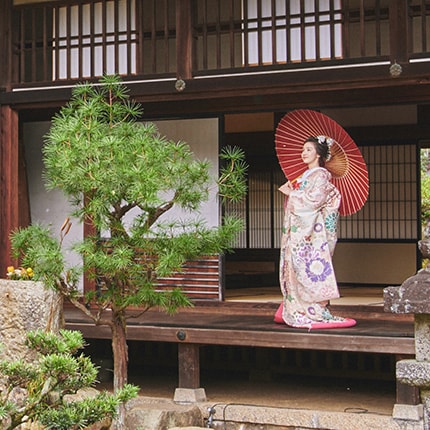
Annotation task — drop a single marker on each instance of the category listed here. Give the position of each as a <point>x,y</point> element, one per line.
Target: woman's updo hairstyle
<point>322,146</point>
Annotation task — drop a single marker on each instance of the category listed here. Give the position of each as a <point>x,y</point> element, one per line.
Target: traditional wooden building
<point>223,72</point>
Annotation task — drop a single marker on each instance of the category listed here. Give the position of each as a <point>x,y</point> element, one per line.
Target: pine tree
<point>112,166</point>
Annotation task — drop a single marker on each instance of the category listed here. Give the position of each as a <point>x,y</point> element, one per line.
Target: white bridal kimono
<point>308,241</point>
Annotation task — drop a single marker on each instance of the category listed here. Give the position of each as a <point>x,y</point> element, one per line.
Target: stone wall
<point>26,306</point>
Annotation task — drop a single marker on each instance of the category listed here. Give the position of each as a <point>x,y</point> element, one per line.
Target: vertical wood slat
<point>80,41</point>
<point>92,40</point>
<point>68,42</point>
<point>346,20</point>
<point>424,27</point>
<point>56,42</point>
<point>166,38</point>
<point>104,32</point>
<point>273,32</point>
<point>288,44</point>
<point>259,34</point>
<point>332,20</point>
<point>22,48</point>
<point>302,30</point>
<point>317,40</point>
<point>45,65</point>
<point>116,35</point>
<point>33,51</point>
<point>129,42</point>
<point>6,43</point>
<point>153,37</point>
<point>378,40</point>
<point>140,38</point>
<point>232,35</point>
<point>9,181</point>
<point>205,34</point>
<point>36,59</point>
<point>362,29</point>
<point>219,35</point>
<point>245,34</point>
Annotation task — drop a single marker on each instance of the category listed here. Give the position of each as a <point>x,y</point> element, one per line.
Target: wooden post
<point>189,373</point>
<point>399,37</point>
<point>9,182</point>
<point>189,365</point>
<point>183,39</point>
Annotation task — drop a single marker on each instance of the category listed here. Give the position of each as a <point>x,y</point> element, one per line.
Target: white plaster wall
<point>202,137</point>
<point>47,207</point>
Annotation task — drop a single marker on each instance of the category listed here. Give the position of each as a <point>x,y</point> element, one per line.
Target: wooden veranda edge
<point>294,340</point>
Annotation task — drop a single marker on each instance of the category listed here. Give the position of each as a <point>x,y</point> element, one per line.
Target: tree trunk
<point>120,360</point>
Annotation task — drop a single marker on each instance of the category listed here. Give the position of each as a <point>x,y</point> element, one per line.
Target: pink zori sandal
<point>343,323</point>
<point>331,322</point>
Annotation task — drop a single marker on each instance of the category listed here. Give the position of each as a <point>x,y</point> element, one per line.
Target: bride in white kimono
<point>307,277</point>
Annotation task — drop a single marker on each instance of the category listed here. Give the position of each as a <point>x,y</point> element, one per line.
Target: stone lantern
<point>413,297</point>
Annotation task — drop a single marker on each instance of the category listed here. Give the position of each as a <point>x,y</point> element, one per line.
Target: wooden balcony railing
<point>66,41</point>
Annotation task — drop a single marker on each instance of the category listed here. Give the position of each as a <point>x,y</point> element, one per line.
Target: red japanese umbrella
<point>346,164</point>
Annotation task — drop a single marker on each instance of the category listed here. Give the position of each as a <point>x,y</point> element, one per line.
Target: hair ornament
<point>328,141</point>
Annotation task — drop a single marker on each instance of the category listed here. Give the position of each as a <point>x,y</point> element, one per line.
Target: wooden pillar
<point>9,182</point>
<point>189,365</point>
<point>189,390</point>
<point>399,31</point>
<point>183,39</point>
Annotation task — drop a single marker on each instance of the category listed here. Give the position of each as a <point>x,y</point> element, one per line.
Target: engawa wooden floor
<point>252,309</point>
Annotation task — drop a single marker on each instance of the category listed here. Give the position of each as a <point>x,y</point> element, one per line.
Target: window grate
<point>390,213</point>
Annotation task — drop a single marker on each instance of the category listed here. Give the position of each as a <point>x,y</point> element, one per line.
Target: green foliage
<point>78,415</point>
<point>425,198</point>
<point>57,371</point>
<point>45,254</point>
<point>232,181</point>
<point>111,166</point>
<point>121,175</point>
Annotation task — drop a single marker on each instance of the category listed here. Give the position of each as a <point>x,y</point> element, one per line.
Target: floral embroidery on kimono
<point>309,237</point>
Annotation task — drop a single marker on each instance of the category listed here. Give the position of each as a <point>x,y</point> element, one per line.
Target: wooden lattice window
<point>390,214</point>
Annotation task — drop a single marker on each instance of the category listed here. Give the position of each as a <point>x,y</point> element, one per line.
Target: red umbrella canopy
<point>346,164</point>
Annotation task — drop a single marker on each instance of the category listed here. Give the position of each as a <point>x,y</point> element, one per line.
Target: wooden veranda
<point>189,59</point>
<point>250,324</point>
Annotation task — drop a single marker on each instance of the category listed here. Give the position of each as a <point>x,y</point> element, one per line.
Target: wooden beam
<point>355,86</point>
<point>354,342</point>
<point>9,182</point>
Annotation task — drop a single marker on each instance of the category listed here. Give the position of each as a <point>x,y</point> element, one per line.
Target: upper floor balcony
<point>56,43</point>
